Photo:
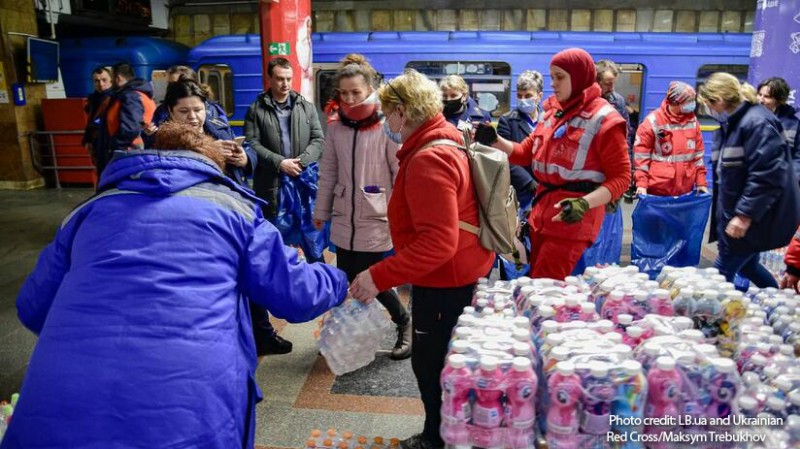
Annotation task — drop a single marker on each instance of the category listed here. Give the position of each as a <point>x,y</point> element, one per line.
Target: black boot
<point>402,348</point>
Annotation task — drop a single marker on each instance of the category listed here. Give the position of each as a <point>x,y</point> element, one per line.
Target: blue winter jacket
<point>753,177</point>
<point>139,304</point>
<point>515,127</point>
<point>791,126</point>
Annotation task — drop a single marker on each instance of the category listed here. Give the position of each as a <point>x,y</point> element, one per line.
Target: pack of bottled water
<point>350,335</point>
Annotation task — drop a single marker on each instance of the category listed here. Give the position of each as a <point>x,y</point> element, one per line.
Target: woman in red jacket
<point>433,191</point>
<point>668,151</point>
<point>579,157</point>
<point>792,260</point>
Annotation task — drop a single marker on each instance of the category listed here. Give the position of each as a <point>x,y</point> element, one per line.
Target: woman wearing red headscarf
<point>579,157</point>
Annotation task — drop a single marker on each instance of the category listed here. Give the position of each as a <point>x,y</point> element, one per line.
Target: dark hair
<point>183,71</point>
<point>282,62</point>
<point>182,89</point>
<point>355,64</point>
<point>778,89</point>
<point>101,69</point>
<point>124,70</point>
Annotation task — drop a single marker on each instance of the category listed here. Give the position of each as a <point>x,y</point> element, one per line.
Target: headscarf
<point>580,66</point>
<point>679,93</point>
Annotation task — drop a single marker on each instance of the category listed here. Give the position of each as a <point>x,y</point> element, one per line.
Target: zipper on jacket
<point>353,193</point>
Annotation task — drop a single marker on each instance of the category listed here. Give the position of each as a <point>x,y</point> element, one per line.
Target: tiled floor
<point>300,393</point>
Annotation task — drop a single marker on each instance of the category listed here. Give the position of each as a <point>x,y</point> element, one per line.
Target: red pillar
<point>286,32</point>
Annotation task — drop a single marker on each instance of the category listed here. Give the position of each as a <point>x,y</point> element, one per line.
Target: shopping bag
<point>607,247</point>
<point>294,219</point>
<point>668,230</point>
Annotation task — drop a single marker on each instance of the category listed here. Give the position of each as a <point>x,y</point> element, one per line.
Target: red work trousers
<point>553,257</point>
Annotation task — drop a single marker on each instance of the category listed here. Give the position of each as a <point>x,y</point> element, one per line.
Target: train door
<point>630,84</point>
<point>489,81</point>
<point>324,89</point>
<point>219,79</point>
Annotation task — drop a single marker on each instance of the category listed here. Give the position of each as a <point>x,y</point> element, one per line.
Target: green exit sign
<point>278,48</point>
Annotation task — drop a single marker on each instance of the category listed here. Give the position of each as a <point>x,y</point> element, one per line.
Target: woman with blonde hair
<point>756,192</point>
<point>458,107</point>
<point>433,194</point>
<point>357,171</point>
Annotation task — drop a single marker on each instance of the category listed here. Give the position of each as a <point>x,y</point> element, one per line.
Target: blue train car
<point>146,54</point>
<point>490,62</point>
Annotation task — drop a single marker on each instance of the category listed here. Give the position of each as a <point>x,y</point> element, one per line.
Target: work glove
<point>485,134</point>
<point>573,209</point>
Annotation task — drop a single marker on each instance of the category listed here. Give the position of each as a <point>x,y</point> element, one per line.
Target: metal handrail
<point>37,147</point>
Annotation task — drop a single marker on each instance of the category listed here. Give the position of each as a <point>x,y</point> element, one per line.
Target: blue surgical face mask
<point>526,105</point>
<point>721,117</point>
<point>688,108</point>
<point>395,137</point>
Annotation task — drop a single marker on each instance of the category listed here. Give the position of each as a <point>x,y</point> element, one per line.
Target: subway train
<point>490,62</point>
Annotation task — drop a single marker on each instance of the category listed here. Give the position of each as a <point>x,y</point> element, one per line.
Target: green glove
<point>573,209</point>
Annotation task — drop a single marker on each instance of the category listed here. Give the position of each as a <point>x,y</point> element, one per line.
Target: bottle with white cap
<point>793,403</point>
<point>598,394</point>
<point>613,306</point>
<point>629,402</point>
<point>664,387</point>
<point>633,336</point>
<point>565,393</point>
<point>588,312</point>
<point>775,407</point>
<point>722,388</point>
<point>456,386</point>
<point>521,396</point>
<point>488,412</point>
<point>748,406</point>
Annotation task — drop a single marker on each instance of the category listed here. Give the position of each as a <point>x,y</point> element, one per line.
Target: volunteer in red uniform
<point>668,152</point>
<point>579,156</point>
<point>792,260</point>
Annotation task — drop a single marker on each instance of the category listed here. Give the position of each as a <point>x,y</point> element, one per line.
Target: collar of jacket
<point>785,110</point>
<point>575,105</point>
<point>738,113</point>
<point>678,119</point>
<point>435,128</point>
<point>268,101</point>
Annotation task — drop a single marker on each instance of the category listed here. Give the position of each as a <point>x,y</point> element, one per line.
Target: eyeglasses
<point>399,97</point>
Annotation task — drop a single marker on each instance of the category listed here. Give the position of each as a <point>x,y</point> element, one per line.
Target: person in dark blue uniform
<point>773,94</point>
<point>459,108</point>
<point>607,73</point>
<point>517,124</point>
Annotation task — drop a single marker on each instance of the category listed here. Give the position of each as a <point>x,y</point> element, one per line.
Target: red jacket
<point>668,153</point>
<point>560,152</point>
<point>432,192</point>
<point>792,257</point>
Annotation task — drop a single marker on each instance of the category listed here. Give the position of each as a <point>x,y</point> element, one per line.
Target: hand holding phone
<point>239,140</point>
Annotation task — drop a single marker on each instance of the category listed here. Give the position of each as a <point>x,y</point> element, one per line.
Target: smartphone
<point>239,140</point>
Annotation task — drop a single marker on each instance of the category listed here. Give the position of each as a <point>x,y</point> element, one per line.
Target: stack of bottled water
<point>351,334</point>
<point>773,261</point>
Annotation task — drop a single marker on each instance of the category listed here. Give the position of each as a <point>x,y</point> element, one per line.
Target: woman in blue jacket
<point>773,94</point>
<point>755,189</point>
<point>141,311</point>
<point>520,122</point>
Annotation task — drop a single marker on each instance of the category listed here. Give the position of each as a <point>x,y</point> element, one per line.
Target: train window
<point>325,90</point>
<point>219,78</point>
<point>159,79</point>
<point>489,82</point>
<point>630,84</point>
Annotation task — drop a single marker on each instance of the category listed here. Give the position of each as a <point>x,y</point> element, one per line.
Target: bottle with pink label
<point>565,392</point>
<point>456,411</point>
<point>613,306</point>
<point>488,412</point>
<point>661,303</point>
<point>521,394</point>
<point>663,394</point>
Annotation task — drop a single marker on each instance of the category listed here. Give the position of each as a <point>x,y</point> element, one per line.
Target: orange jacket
<point>792,257</point>
<point>587,143</point>
<point>668,153</point>
<point>432,192</point>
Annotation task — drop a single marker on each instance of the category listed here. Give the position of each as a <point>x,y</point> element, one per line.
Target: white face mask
<point>721,117</point>
<point>688,108</point>
<point>526,105</point>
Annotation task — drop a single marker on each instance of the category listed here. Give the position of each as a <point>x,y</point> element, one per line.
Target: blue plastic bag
<point>607,248</point>
<point>294,220</point>
<point>668,230</point>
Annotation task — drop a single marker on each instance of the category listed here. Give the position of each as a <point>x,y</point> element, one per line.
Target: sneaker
<point>273,344</point>
<point>419,441</point>
<point>402,348</point>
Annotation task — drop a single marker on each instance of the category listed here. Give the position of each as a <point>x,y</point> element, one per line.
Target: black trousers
<point>434,314</point>
<point>354,262</point>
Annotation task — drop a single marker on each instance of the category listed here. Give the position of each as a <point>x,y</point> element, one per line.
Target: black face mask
<point>453,107</point>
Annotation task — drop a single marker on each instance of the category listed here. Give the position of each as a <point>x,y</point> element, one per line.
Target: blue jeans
<point>746,265</point>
